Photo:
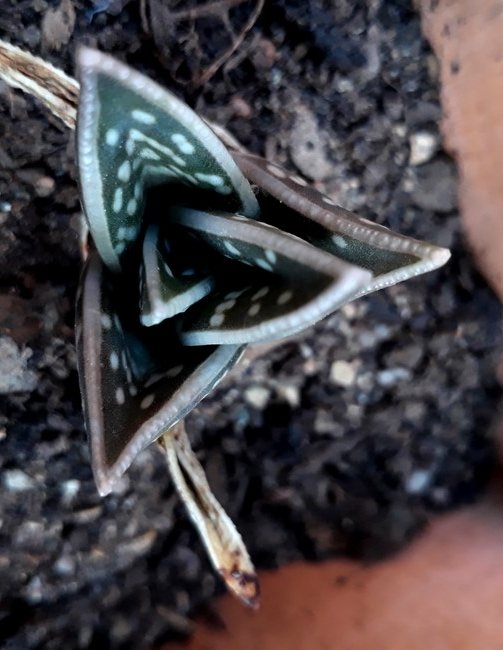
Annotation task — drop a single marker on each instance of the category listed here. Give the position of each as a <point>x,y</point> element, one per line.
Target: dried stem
<point>58,91</point>
<point>33,75</point>
<point>223,543</point>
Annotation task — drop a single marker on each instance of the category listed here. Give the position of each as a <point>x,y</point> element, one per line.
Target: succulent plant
<point>197,249</point>
<point>200,250</point>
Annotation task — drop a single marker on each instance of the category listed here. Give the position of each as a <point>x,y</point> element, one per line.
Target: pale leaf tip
<point>104,486</point>
<point>440,256</point>
<point>88,57</point>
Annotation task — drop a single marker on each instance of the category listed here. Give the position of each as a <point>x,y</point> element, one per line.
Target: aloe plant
<point>235,250</point>
<point>197,249</point>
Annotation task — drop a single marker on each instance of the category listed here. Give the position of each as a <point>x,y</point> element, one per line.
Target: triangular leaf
<point>131,134</point>
<point>164,294</point>
<point>136,382</point>
<point>290,204</point>
<point>291,287</point>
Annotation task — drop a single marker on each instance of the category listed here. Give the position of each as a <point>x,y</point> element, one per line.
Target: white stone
<point>342,373</point>
<point>423,146</point>
<point>15,480</point>
<point>393,376</point>
<point>257,396</point>
<point>418,481</point>
<point>289,393</point>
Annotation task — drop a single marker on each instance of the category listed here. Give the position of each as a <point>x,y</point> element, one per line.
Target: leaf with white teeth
<point>136,382</point>
<point>164,294</point>
<point>132,134</point>
<point>290,204</point>
<point>290,287</point>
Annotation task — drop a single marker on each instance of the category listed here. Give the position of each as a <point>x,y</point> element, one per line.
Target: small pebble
<point>15,480</point>
<point>289,393</point>
<point>393,376</point>
<point>257,396</point>
<point>342,373</point>
<point>240,107</point>
<point>44,186</point>
<point>70,489</point>
<point>419,481</point>
<point>423,146</point>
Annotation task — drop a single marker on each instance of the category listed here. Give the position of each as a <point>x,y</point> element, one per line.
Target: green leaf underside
<point>136,382</point>
<point>291,286</point>
<point>164,292</point>
<point>289,204</point>
<point>127,142</point>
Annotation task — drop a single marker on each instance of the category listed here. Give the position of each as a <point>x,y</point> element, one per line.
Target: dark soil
<point>311,459</point>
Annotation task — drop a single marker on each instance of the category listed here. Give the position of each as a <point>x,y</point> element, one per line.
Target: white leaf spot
<point>147,401</point>
<point>117,204</point>
<point>263,264</point>
<point>271,256</point>
<point>339,241</point>
<point>254,309</point>
<point>211,179</point>
<point>276,171</point>
<point>260,293</point>
<point>182,143</point>
<point>285,297</point>
<point>124,171</point>
<point>143,116</point>
<point>114,361</point>
<point>225,306</point>
<point>131,207</point>
<point>299,181</point>
<point>112,137</point>
<point>231,248</point>
<point>106,321</point>
<point>216,320</point>
<point>174,372</point>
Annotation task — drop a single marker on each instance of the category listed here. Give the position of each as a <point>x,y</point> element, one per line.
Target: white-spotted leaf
<point>286,284</point>
<point>289,203</point>
<point>132,134</point>
<point>165,293</point>
<point>136,382</point>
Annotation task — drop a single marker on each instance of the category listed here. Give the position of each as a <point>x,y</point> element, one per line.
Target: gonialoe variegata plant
<point>197,249</point>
